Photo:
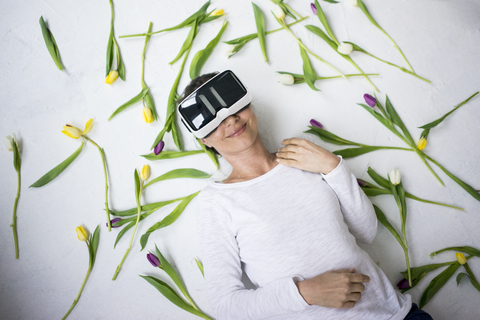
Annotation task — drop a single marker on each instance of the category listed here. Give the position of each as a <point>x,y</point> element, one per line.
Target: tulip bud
<point>395,176</point>
<point>153,259</point>
<point>147,115</point>
<point>278,12</point>
<point>8,143</point>
<point>88,126</point>
<point>314,9</point>
<point>353,2</point>
<point>371,101</point>
<point>112,76</point>
<point>403,284</point>
<point>315,123</point>
<point>361,183</point>
<point>145,174</point>
<point>159,147</point>
<point>81,233</point>
<point>113,221</point>
<point>228,50</point>
<point>217,12</point>
<point>422,143</point>
<point>286,79</point>
<point>71,131</point>
<point>345,48</point>
<point>460,258</point>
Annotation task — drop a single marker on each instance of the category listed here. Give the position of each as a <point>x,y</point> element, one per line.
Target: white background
<point>440,39</point>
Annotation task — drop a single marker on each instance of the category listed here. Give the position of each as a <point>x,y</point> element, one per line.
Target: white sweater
<point>285,226</point>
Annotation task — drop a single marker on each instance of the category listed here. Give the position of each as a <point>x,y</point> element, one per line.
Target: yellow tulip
<point>112,76</point>
<point>422,143</point>
<point>147,115</point>
<point>81,233</point>
<point>72,132</point>
<point>461,258</point>
<point>145,174</point>
<point>217,12</point>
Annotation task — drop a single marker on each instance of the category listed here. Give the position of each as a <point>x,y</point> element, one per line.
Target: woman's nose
<point>230,120</point>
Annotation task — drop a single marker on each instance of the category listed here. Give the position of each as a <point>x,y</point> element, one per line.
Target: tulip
<point>8,143</point>
<point>113,221</point>
<point>81,233</point>
<point>153,259</point>
<point>112,76</point>
<point>217,12</point>
<point>145,174</point>
<point>314,9</point>
<point>345,48</point>
<point>460,258</point>
<point>159,147</point>
<point>395,176</point>
<point>362,184</point>
<point>371,101</point>
<point>403,284</point>
<point>228,50</point>
<point>88,127</point>
<point>353,2</point>
<point>278,12</point>
<point>422,143</point>
<point>286,79</point>
<point>147,115</point>
<point>74,132</point>
<point>315,123</point>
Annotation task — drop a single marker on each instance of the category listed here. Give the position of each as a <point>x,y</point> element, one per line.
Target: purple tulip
<point>403,284</point>
<point>314,9</point>
<point>113,221</point>
<point>315,123</point>
<point>159,147</point>
<point>361,183</point>
<point>153,259</point>
<point>371,101</point>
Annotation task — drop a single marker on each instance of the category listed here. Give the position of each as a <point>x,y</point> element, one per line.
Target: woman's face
<point>235,134</point>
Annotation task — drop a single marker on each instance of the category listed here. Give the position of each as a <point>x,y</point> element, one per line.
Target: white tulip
<point>228,50</point>
<point>286,79</point>
<point>278,12</point>
<point>345,48</point>
<point>8,143</point>
<point>395,176</point>
<point>353,2</point>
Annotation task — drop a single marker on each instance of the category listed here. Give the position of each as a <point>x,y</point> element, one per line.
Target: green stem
<point>81,289</point>
<point>472,277</point>
<point>411,196</point>
<point>396,66</point>
<point>144,85</point>
<point>348,76</point>
<point>288,25</point>
<point>282,23</point>
<point>14,218</point>
<point>399,50</point>
<point>409,272</point>
<point>139,211</point>
<point>421,155</point>
<point>293,11</point>
<point>364,75</point>
<point>102,154</point>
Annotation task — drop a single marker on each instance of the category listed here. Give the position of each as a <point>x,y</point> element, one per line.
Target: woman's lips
<point>238,131</point>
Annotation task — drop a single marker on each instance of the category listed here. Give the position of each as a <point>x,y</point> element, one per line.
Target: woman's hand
<point>305,155</point>
<point>334,289</point>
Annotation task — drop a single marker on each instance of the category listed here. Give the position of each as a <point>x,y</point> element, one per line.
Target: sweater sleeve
<point>357,209</point>
<point>223,272</point>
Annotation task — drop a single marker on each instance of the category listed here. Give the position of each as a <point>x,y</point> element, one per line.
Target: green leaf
<point>460,277</point>
<point>439,120</point>
<point>323,20</point>
<point>356,48</point>
<point>319,32</point>
<point>51,44</point>
<point>354,152</point>
<point>52,174</point>
<point>327,136</point>
<point>418,271</point>
<point>437,283</point>
<point>146,207</point>
<point>396,120</point>
<point>110,45</point>
<point>188,42</point>
<point>180,173</point>
<point>466,249</point>
<point>403,205</point>
<point>331,1</point>
<point>168,220</point>
<point>129,103</point>
<point>171,295</point>
<point>260,23</point>
<point>383,220</point>
<point>378,178</point>
<point>242,40</point>
<point>17,162</point>
<point>309,73</point>
<point>210,154</point>
<point>200,266</point>
<point>94,240</point>
<point>170,154</point>
<point>120,65</point>
<point>362,6</point>
<point>201,56</point>
<point>150,104</point>
<point>176,135</point>
<point>370,192</point>
<point>382,120</point>
<point>190,19</point>
<point>137,184</point>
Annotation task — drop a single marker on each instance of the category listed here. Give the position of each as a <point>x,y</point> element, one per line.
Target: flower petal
<point>8,143</point>
<point>112,76</point>
<point>371,101</point>
<point>145,174</point>
<point>315,123</point>
<point>153,259</point>
<point>460,258</point>
<point>286,79</point>
<point>159,147</point>
<point>278,12</point>
<point>314,9</point>
<point>81,233</point>
<point>147,115</point>
<point>88,126</point>
<point>72,132</point>
<point>345,48</point>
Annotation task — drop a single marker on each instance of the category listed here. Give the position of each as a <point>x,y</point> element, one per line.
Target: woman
<point>292,219</point>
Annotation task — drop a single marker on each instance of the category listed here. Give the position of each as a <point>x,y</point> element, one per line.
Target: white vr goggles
<point>217,99</point>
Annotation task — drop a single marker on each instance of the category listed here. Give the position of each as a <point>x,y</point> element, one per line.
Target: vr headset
<point>217,99</point>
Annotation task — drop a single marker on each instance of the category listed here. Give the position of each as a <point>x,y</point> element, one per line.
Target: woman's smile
<point>238,131</point>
